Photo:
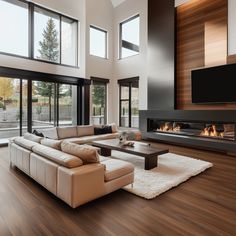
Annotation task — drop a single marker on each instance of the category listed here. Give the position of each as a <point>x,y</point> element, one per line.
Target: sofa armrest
<point>81,184</point>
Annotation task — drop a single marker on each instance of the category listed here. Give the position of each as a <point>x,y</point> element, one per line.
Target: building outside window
<point>98,42</point>
<point>129,102</point>
<point>129,37</point>
<point>99,101</point>
<point>37,33</point>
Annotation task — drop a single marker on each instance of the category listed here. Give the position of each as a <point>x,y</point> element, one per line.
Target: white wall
<point>73,8</point>
<point>100,14</point>
<point>131,66</point>
<point>232,27</point>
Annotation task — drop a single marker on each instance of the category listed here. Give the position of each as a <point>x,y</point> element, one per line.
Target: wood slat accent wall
<point>201,42</point>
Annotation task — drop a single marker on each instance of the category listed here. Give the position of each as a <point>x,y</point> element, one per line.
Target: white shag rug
<point>172,170</point>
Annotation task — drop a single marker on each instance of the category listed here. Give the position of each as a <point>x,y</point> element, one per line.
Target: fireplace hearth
<point>212,130</point>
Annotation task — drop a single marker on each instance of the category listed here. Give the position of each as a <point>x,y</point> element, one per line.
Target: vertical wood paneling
<point>201,42</point>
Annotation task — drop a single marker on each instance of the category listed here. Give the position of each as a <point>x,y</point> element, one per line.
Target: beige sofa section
<point>83,134</point>
<point>65,175</point>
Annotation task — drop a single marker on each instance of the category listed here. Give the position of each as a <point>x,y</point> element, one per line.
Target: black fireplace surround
<point>212,130</point>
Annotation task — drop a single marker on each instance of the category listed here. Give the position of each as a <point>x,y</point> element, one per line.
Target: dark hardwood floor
<point>204,205</point>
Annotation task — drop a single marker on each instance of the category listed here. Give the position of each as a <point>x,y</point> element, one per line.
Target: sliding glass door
<point>50,104</point>
<point>43,105</point>
<point>13,107</point>
<point>67,105</point>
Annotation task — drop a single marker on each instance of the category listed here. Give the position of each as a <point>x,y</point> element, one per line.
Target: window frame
<point>106,41</point>
<point>126,44</point>
<point>105,82</point>
<point>31,42</point>
<point>130,82</point>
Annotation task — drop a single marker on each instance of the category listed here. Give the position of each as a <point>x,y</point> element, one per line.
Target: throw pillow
<point>37,133</point>
<point>106,129</point>
<point>86,153</point>
<point>32,137</point>
<point>56,144</point>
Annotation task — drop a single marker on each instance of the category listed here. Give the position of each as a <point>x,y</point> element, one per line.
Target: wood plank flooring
<point>204,205</point>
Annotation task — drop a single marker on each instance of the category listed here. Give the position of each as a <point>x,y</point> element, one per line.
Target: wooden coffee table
<point>150,154</point>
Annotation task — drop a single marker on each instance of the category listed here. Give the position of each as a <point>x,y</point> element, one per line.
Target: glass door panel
<point>67,105</point>
<point>124,114</point>
<point>24,106</point>
<point>9,107</point>
<point>43,105</point>
<point>135,107</point>
<point>98,104</point>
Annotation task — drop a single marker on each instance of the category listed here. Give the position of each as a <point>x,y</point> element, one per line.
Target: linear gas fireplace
<point>213,130</point>
<point>221,131</point>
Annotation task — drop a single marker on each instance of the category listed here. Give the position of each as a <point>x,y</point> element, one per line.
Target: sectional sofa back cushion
<point>56,144</point>
<point>57,156</point>
<point>67,132</point>
<point>85,130</point>
<point>25,143</point>
<point>32,137</point>
<point>86,153</point>
<point>49,133</point>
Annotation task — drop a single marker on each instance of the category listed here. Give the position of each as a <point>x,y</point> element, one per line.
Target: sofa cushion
<point>85,130</point>
<point>25,143</point>
<point>57,156</point>
<point>32,137</point>
<point>116,169</point>
<point>90,139</point>
<point>106,129</point>
<point>49,133</point>
<point>56,144</point>
<point>86,153</point>
<point>67,132</point>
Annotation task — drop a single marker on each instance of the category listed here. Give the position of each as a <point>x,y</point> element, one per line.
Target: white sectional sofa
<point>74,173</point>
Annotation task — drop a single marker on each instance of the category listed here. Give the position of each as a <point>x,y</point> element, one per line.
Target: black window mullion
<point>31,30</point>
<point>29,106</point>
<point>130,103</point>
<point>60,39</point>
<point>57,103</point>
<point>21,107</point>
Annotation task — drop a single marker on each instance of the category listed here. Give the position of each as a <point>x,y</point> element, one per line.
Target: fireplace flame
<point>212,132</point>
<point>168,127</point>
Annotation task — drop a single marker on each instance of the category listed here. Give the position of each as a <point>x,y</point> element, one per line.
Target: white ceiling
<point>115,3</point>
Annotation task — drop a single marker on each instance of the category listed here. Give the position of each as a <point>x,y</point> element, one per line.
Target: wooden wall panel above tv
<point>201,42</point>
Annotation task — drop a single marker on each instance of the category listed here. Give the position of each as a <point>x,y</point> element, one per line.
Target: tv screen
<point>214,85</point>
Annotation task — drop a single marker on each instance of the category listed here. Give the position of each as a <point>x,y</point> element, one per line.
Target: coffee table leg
<point>105,152</point>
<point>150,162</point>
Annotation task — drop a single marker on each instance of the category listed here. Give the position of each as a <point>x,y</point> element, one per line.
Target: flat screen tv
<point>214,85</point>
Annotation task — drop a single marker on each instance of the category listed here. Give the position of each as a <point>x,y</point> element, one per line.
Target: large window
<point>98,42</point>
<point>129,37</point>
<point>37,33</point>
<point>49,100</point>
<point>129,102</point>
<point>69,41</point>
<point>46,35</point>
<point>14,27</point>
<point>99,101</point>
